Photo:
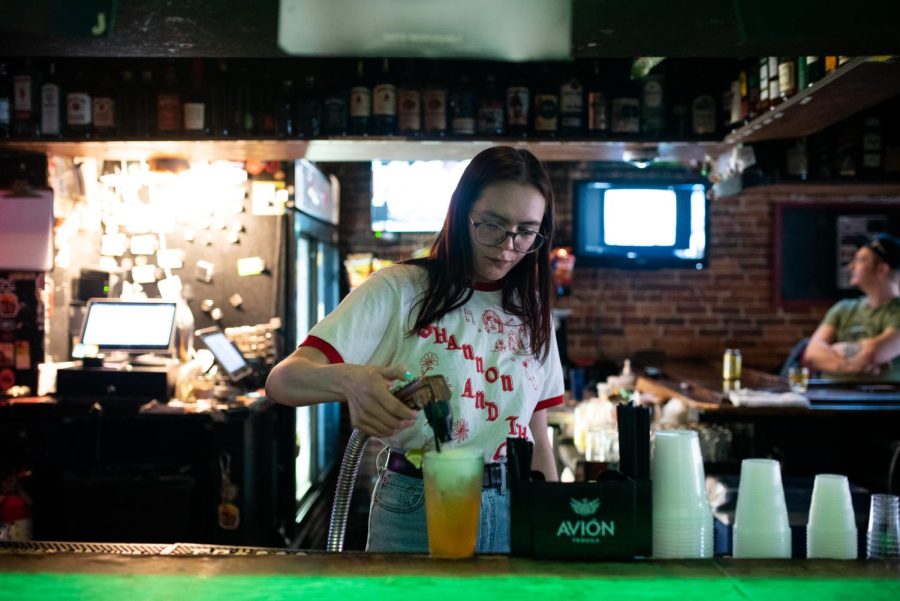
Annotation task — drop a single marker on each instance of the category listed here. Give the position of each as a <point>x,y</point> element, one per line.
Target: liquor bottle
<point>787,76</point>
<point>78,107</point>
<point>334,109</point>
<point>287,110</point>
<point>360,102</point>
<point>518,101</point>
<point>52,115</point>
<point>703,115</point>
<point>145,105</point>
<point>5,103</point>
<point>753,89</point>
<point>196,121</point>
<point>802,73</point>
<point>571,105</point>
<point>462,106</point>
<point>871,162</point>
<point>815,69</point>
<point>653,104</point>
<point>103,106</point>
<point>384,102</point>
<point>25,113</point>
<point>490,108</point>
<point>246,104</point>
<point>168,103</point>
<point>310,109</point>
<point>266,100</point>
<point>774,84</point>
<point>224,121</point>
<point>764,103</point>
<point>626,107</point>
<point>409,103</point>
<point>597,104</point>
<point>434,104</point>
<point>126,103</point>
<point>546,105</point>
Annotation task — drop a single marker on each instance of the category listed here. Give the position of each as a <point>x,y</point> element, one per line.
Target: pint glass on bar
<point>453,500</point>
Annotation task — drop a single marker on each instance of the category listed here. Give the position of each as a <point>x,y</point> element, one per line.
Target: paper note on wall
<point>26,231</point>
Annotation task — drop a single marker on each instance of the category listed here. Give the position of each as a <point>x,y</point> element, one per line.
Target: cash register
<point>126,347</point>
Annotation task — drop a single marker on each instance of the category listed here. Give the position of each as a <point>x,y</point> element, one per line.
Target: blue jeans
<point>397,517</point>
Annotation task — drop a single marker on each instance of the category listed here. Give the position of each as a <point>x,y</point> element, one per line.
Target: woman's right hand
<point>373,409</point>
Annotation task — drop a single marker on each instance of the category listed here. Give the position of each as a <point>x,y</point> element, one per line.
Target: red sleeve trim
<point>325,348</point>
<point>547,403</point>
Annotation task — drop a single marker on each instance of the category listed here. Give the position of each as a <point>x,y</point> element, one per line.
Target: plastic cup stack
<point>761,527</point>
<point>831,530</point>
<point>883,534</point>
<point>682,518</point>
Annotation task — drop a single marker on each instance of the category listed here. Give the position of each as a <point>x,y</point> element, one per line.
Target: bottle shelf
<point>860,83</point>
<point>371,148</point>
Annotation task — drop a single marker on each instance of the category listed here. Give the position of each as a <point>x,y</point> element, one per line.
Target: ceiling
<point>600,28</point>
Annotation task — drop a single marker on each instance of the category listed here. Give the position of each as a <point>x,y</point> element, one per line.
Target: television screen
<point>412,196</point>
<point>132,326</point>
<point>642,224</point>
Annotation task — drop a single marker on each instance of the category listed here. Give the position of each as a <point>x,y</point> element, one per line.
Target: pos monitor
<point>226,352</point>
<point>131,326</point>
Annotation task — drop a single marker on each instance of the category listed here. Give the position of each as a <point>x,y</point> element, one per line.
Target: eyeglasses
<point>491,234</point>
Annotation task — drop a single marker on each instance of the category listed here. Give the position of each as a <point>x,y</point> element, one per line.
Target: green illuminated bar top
<point>354,575</point>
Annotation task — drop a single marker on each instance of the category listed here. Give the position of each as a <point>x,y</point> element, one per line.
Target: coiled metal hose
<point>337,527</point>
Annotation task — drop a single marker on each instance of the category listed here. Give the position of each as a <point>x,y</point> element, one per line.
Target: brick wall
<point>687,313</point>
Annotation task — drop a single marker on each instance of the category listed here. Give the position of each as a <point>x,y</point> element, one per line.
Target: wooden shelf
<point>365,149</point>
<point>855,86</point>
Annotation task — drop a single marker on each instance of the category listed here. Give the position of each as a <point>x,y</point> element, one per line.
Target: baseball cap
<point>887,248</point>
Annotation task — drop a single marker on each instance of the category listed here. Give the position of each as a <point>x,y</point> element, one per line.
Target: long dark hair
<point>451,275</point>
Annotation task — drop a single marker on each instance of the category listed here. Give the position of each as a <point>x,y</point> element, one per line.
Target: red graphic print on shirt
<point>460,430</point>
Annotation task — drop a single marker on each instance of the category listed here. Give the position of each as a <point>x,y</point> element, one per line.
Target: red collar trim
<point>489,286</point>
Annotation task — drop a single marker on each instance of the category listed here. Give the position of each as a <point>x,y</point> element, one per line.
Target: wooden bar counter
<point>197,574</point>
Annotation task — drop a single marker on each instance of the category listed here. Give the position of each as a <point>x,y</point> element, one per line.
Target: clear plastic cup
<point>677,472</point>
<point>883,533</point>
<point>761,526</point>
<point>831,529</point>
<point>682,519</point>
<point>453,480</point>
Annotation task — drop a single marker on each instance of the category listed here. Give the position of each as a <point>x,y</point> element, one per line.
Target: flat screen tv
<point>641,224</point>
<point>412,196</point>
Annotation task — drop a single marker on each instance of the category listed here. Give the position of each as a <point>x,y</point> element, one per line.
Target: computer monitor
<point>131,326</point>
<point>226,352</point>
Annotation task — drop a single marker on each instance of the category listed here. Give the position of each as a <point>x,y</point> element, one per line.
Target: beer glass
<point>453,480</point>
<point>798,379</point>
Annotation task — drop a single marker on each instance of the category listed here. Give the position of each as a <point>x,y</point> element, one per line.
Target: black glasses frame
<point>536,245</point>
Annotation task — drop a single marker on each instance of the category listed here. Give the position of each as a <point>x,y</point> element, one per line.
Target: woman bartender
<point>476,311</point>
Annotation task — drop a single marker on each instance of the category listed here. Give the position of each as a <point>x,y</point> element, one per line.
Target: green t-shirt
<point>853,319</point>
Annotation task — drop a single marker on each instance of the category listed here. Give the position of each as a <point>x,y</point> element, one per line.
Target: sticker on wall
<point>170,288</point>
<point>207,305</point>
<point>217,314</point>
<point>251,266</point>
<point>7,356</point>
<point>113,245</point>
<point>268,198</point>
<point>143,274</point>
<point>23,354</point>
<point>170,258</point>
<point>236,300</point>
<point>204,271</point>
<point>234,237</point>
<point>189,235</point>
<point>208,239</point>
<point>143,245</point>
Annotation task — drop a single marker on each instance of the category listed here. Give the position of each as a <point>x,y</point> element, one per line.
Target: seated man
<point>860,337</point>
